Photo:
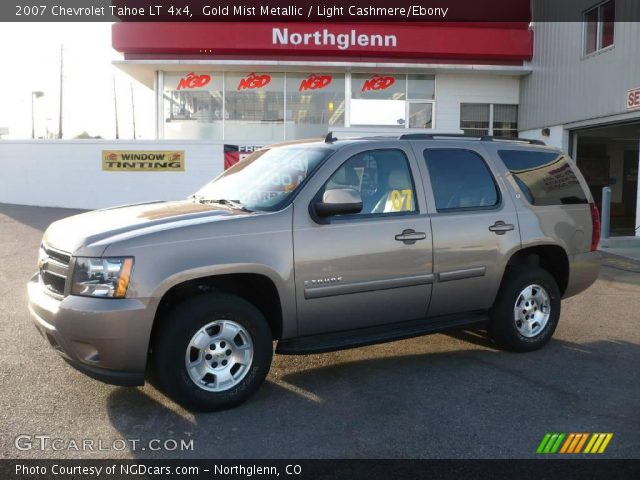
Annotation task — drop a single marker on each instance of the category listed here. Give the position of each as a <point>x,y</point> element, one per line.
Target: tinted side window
<point>545,178</point>
<point>383,179</point>
<point>460,179</point>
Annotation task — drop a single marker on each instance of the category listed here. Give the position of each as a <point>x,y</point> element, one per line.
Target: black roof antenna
<point>330,138</point>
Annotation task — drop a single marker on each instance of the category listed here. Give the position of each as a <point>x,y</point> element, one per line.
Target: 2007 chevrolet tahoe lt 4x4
<point>321,246</point>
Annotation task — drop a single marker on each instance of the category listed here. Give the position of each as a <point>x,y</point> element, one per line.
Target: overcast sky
<point>30,54</point>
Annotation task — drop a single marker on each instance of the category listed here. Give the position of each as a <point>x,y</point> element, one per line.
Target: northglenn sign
<point>324,37</point>
<point>505,43</point>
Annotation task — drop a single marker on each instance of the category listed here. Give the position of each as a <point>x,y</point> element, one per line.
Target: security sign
<point>633,99</point>
<point>142,161</point>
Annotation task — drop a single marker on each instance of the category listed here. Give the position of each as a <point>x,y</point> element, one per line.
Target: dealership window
<point>193,105</point>
<point>267,107</point>
<point>254,106</point>
<point>481,119</point>
<point>396,100</point>
<point>378,99</point>
<point>314,104</point>
<point>599,26</point>
<point>420,98</point>
<point>505,120</point>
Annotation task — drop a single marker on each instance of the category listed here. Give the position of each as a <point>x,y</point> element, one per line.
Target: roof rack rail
<point>482,138</point>
<point>431,136</point>
<point>492,138</point>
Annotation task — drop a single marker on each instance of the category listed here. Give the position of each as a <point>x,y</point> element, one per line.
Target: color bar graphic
<point>574,443</point>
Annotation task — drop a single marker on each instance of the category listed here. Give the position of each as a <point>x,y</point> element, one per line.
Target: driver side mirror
<point>339,201</point>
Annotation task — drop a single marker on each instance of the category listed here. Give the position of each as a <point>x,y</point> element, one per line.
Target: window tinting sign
<point>142,161</point>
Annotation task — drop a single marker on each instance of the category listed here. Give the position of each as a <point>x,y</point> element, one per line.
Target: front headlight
<point>101,277</point>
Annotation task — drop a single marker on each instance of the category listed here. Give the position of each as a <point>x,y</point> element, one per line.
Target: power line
<point>61,90</point>
<point>115,106</point>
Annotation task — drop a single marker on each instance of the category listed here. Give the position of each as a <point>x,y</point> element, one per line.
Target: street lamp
<point>34,95</point>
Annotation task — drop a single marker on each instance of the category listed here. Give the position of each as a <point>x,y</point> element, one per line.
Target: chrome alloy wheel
<point>532,310</point>
<point>219,355</point>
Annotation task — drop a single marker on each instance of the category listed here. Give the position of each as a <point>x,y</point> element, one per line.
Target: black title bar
<point>306,10</point>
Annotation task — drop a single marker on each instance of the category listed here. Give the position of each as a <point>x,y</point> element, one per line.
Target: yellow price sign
<point>401,200</point>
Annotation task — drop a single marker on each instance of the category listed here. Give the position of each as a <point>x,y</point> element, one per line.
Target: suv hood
<point>72,233</point>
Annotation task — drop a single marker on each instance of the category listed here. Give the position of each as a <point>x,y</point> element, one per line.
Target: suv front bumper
<point>107,339</point>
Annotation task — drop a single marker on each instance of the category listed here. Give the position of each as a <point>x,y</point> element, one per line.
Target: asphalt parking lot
<point>441,396</point>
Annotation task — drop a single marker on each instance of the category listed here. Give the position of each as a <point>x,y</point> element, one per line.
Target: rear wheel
<point>527,309</point>
<point>212,352</point>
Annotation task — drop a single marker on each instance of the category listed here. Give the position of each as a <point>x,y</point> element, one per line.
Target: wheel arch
<point>550,257</point>
<point>257,288</point>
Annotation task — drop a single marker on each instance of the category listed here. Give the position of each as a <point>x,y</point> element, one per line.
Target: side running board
<point>329,342</point>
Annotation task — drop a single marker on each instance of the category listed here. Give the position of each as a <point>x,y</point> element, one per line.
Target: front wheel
<point>527,309</point>
<point>212,352</point>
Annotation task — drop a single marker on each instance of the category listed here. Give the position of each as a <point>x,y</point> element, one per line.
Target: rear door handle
<point>409,236</point>
<point>500,228</point>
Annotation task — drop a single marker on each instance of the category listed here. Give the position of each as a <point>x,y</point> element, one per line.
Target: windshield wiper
<point>222,201</point>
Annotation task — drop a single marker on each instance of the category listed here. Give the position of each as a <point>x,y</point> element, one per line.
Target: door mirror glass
<point>339,201</point>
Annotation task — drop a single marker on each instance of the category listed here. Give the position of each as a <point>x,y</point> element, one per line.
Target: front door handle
<point>409,236</point>
<point>500,228</point>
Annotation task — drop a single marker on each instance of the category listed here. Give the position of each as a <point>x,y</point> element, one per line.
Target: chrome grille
<point>54,269</point>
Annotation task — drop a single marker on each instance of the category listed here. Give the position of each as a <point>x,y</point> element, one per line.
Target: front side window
<point>545,178</point>
<point>265,179</point>
<point>383,179</point>
<point>315,104</point>
<point>460,179</point>
<point>599,26</point>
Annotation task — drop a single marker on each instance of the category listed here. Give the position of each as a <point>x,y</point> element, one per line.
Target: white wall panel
<point>452,89</point>
<point>68,173</point>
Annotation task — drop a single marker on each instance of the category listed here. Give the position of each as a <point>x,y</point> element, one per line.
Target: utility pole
<point>34,95</point>
<point>133,111</point>
<point>115,106</point>
<point>61,89</point>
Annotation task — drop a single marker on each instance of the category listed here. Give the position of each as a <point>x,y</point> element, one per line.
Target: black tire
<point>502,324</point>
<point>178,328</point>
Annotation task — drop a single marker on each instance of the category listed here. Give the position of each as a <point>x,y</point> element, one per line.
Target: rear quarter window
<point>545,178</point>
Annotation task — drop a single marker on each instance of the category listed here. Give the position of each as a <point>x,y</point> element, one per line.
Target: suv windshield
<point>264,179</point>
